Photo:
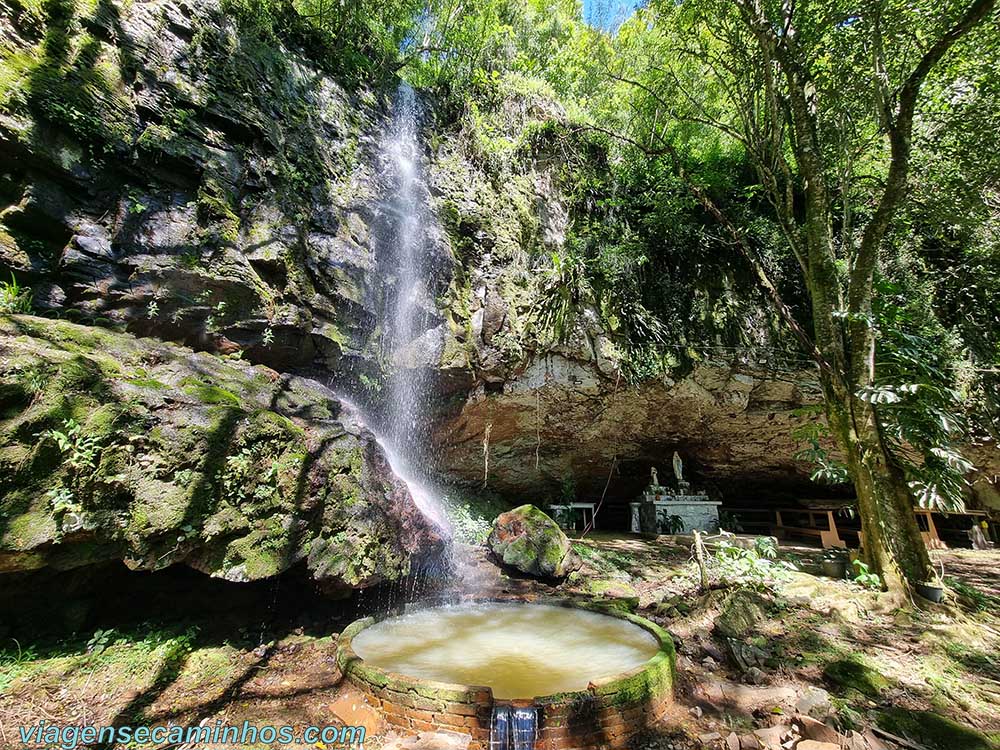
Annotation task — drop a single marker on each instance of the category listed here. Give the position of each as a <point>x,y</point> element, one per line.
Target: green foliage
<point>567,490</point>
<point>756,567</point>
<point>972,597</point>
<point>251,476</point>
<point>827,469</point>
<point>14,660</point>
<point>62,500</point>
<point>920,408</point>
<point>472,514</point>
<point>356,37</point>
<point>673,525</point>
<point>126,652</point>
<point>864,577</point>
<point>79,450</point>
<point>468,526</point>
<point>14,298</point>
<point>99,641</point>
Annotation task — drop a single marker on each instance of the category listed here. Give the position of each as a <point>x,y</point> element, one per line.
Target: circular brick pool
<point>606,713</point>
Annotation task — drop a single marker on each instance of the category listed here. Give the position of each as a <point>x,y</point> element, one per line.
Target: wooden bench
<point>828,537</point>
<point>818,523</point>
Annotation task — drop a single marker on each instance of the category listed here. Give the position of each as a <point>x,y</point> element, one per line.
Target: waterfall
<point>513,728</point>
<point>409,306</point>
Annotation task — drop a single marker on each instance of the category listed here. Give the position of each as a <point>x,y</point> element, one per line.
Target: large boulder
<point>118,448</point>
<point>529,541</point>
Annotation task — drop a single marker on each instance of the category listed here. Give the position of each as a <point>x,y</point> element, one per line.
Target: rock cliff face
<point>560,419</point>
<point>117,448</point>
<point>167,172</point>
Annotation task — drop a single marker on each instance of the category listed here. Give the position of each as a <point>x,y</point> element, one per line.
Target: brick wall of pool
<point>609,712</point>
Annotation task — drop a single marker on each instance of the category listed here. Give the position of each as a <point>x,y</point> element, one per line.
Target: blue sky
<point>608,14</point>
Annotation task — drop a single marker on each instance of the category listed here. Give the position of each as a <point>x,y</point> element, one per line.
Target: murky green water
<point>519,650</point>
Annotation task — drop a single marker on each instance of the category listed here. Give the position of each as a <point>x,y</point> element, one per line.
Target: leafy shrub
<point>757,567</point>
<point>864,577</point>
<point>468,526</point>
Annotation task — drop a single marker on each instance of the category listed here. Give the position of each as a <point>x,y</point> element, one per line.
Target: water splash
<point>424,498</point>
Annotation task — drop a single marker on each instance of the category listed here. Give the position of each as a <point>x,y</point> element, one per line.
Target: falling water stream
<point>513,728</point>
<point>410,219</point>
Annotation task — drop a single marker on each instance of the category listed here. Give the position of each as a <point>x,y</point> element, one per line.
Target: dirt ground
<point>922,677</point>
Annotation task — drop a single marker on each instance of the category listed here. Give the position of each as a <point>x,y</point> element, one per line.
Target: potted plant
<point>932,590</point>
<point>834,563</point>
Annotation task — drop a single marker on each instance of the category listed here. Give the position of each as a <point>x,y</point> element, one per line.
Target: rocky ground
<point>801,659</point>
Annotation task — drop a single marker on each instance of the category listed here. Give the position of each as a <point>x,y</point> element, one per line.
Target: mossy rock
<point>529,541</point>
<point>612,590</point>
<point>851,674</point>
<point>933,731</point>
<point>742,613</point>
<point>214,466</point>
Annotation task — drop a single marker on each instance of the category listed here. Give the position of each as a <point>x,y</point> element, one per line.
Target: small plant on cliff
<point>32,379</point>
<point>62,500</point>
<point>14,298</point>
<point>79,450</point>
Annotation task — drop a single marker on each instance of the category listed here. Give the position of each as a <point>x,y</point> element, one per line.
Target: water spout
<point>513,728</point>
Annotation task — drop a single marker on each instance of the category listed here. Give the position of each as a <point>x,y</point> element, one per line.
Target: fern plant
<point>79,450</point>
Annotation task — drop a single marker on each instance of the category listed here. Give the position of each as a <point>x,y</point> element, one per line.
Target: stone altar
<point>695,511</point>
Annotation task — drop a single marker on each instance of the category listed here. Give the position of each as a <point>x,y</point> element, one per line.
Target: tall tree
<point>822,98</point>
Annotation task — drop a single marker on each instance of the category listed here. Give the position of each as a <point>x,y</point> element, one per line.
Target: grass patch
<point>129,654</point>
<point>973,597</point>
<point>973,659</point>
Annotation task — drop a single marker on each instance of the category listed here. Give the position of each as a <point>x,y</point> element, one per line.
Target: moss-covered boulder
<point>529,541</point>
<point>119,448</point>
<point>932,730</point>
<point>851,674</point>
<point>742,612</point>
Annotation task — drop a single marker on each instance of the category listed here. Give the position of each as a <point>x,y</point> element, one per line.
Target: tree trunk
<point>893,546</point>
